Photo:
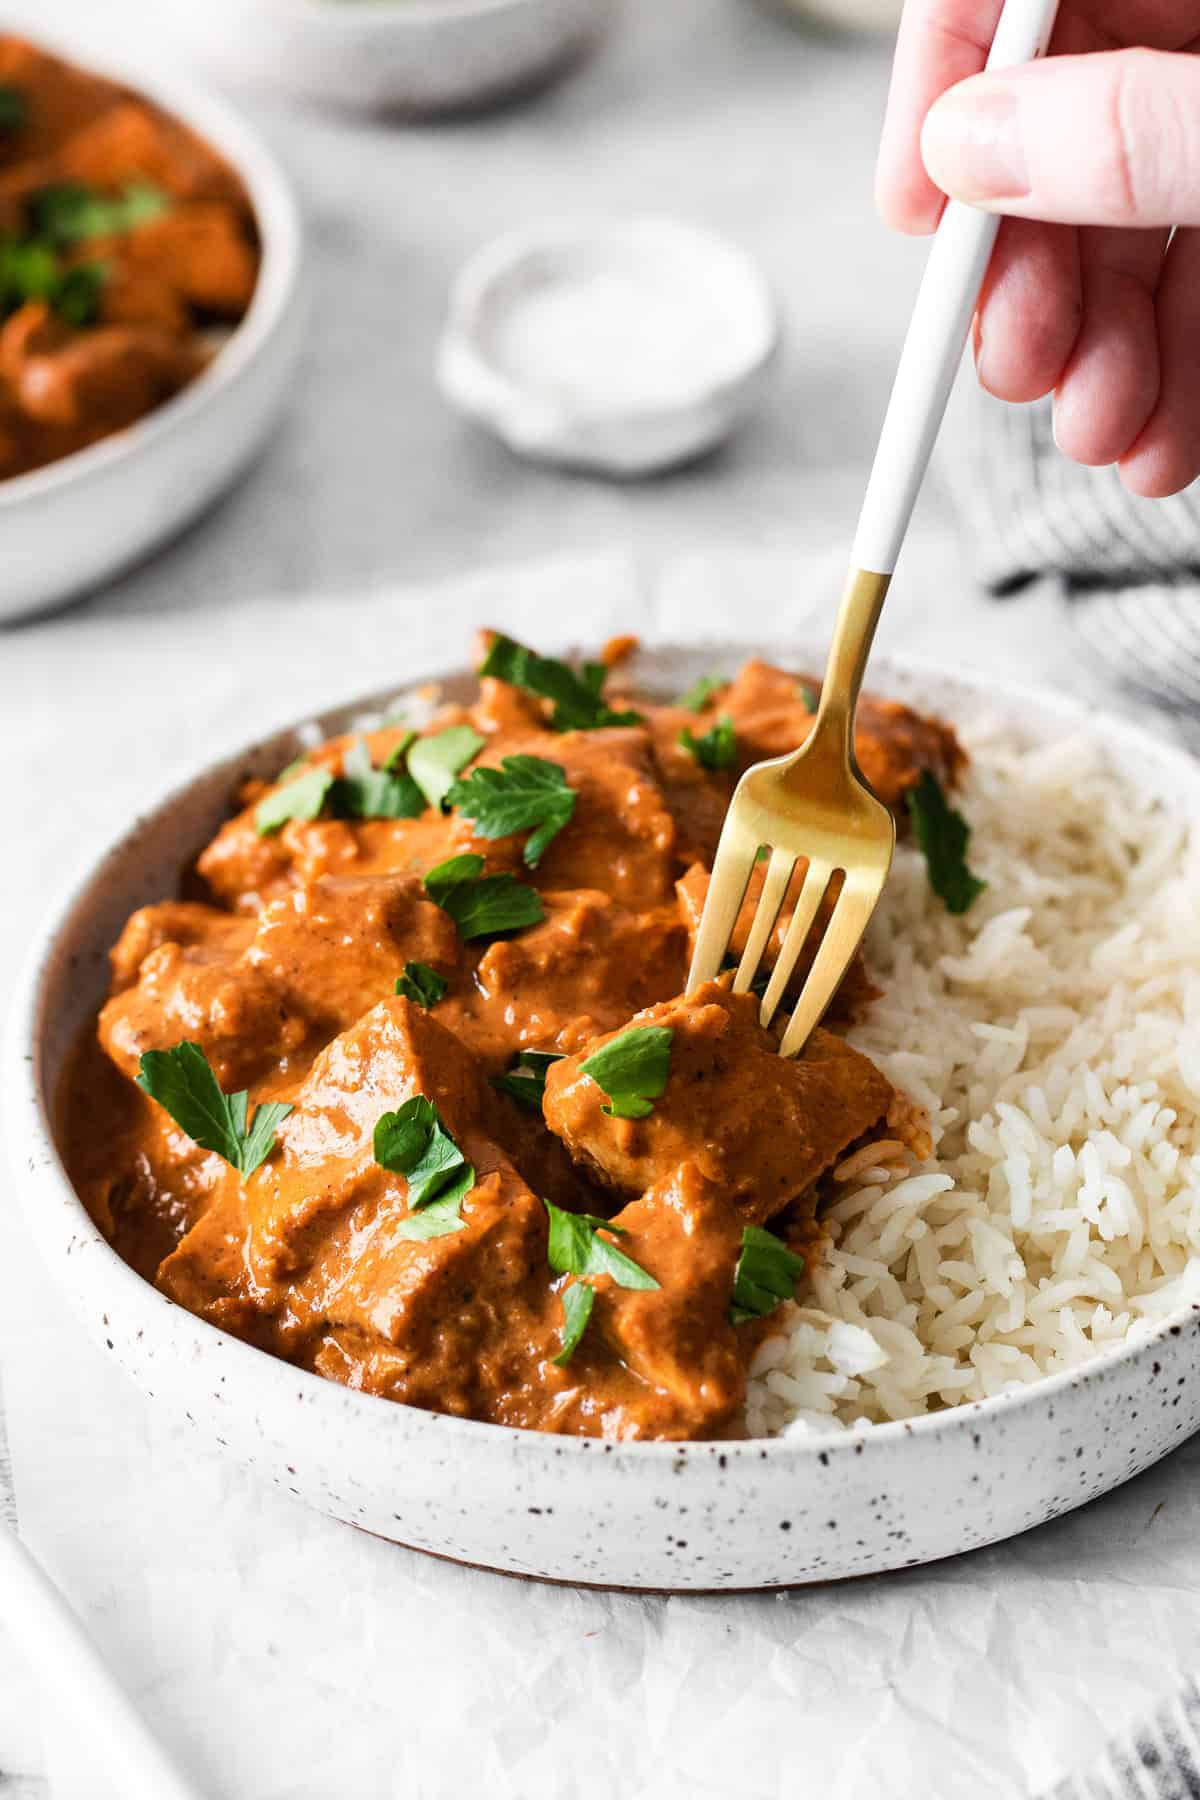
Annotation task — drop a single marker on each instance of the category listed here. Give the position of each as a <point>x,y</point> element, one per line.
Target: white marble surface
<point>313,579</point>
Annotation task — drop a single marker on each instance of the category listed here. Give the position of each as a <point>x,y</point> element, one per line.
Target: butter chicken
<point>405,1091</point>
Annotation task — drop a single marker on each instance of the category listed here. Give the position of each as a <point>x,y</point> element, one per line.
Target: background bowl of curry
<point>74,523</point>
<point>736,1514</point>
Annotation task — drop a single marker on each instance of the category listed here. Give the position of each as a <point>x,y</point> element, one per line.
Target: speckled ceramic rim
<point>31,1142</point>
<point>278,223</point>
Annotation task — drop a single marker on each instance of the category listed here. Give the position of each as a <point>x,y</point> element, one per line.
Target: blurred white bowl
<point>416,56</point>
<point>844,15</point>
<point>618,346</point>
<point>73,524</point>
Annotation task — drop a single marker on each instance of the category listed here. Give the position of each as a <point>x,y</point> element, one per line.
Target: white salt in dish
<point>622,347</point>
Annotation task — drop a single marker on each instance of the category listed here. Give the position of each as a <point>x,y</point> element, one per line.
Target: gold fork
<point>814,804</point>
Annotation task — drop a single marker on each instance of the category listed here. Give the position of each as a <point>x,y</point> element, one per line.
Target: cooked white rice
<point>1054,1035</point>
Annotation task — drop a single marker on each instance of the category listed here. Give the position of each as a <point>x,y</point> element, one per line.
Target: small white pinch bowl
<point>499,361</point>
<point>691,1516</point>
<point>407,56</point>
<point>74,524</point>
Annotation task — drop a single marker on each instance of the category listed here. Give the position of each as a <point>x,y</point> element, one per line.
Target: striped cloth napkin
<point>8,1498</point>
<point>1129,568</point>
<point>1158,1760</point>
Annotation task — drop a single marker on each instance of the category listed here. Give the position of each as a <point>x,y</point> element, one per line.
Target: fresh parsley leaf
<point>575,1247</point>
<point>433,762</point>
<point>810,695</point>
<point>526,1080</point>
<point>701,692</point>
<point>578,705</point>
<point>766,1274</point>
<point>439,1218</point>
<point>442,880</point>
<point>364,792</point>
<point>943,835</point>
<point>182,1082</point>
<point>716,749</point>
<point>421,984</point>
<point>299,799</point>
<point>393,762</point>
<point>413,1142</point>
<point>30,270</point>
<point>482,905</point>
<point>70,212</point>
<point>632,1070</point>
<point>77,297</point>
<point>577,1303</point>
<point>524,793</point>
<point>14,107</point>
<point>294,768</point>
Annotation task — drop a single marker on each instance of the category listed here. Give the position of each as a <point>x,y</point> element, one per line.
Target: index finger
<point>941,42</point>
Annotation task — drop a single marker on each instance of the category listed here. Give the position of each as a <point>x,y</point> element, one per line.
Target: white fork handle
<point>941,318</point>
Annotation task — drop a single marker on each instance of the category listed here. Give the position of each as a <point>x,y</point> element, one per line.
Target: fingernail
<point>971,143</point>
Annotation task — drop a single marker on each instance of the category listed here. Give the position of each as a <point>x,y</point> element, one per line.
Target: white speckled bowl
<point>677,1516</point>
<point>77,522</point>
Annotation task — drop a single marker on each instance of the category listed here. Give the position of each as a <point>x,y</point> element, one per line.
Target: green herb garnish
<point>14,107</point>
<point>716,749</point>
<point>526,793</point>
<point>766,1275</point>
<point>394,760</point>
<point>433,762</point>
<point>183,1083</point>
<point>77,297</point>
<point>294,768</point>
<point>421,984</point>
<point>632,1070</point>
<point>577,1303</point>
<point>365,792</point>
<point>71,212</point>
<point>578,705</point>
<point>575,1247</point>
<point>30,270</point>
<point>808,695</point>
<point>413,1142</point>
<point>455,872</point>
<point>943,835</point>
<point>526,1080</point>
<point>701,692</point>
<point>482,905</point>
<point>299,799</point>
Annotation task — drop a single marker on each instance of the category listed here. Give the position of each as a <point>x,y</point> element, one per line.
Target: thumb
<point>1108,139</point>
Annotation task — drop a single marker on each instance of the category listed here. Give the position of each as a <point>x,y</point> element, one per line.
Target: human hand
<point>1100,306</point>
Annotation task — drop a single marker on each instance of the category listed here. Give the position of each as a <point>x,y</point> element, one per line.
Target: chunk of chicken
<point>762,1128</point>
<point>772,713</point>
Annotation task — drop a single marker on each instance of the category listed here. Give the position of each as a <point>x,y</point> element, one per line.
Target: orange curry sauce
<point>284,973</point>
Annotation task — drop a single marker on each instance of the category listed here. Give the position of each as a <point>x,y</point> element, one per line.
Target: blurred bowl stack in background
<point>410,56</point>
<point>853,15</point>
